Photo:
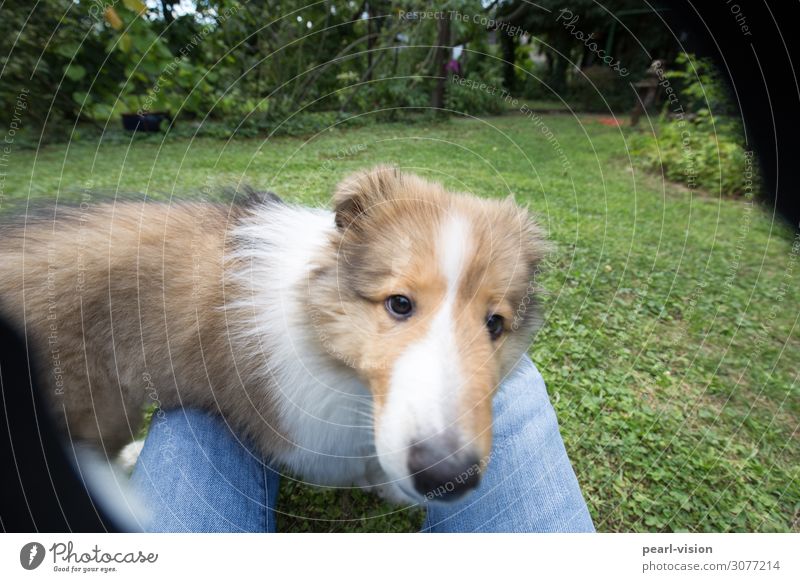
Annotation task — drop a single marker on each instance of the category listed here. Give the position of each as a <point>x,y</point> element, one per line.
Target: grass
<point>670,340</point>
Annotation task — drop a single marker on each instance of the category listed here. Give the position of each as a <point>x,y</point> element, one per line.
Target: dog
<point>354,347</point>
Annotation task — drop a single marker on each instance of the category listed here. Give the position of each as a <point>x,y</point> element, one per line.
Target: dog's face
<point>429,300</point>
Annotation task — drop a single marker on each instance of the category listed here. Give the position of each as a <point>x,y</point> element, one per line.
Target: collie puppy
<point>359,346</point>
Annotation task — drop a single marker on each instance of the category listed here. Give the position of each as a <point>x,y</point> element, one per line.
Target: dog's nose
<point>441,474</point>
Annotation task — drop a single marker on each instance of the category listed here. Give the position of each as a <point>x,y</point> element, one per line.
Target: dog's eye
<point>399,306</point>
<point>495,326</point>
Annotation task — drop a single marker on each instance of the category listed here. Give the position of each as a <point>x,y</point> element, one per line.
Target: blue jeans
<point>196,475</point>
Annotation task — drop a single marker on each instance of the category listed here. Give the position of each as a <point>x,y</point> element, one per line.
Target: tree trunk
<point>166,9</point>
<point>440,62</point>
<point>558,72</point>
<point>509,45</point>
<point>369,41</point>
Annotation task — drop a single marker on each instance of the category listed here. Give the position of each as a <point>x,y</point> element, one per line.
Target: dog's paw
<point>378,482</point>
<point>390,493</point>
<point>128,456</point>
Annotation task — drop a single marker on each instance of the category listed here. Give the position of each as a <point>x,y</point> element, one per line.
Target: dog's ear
<point>535,244</point>
<point>359,192</point>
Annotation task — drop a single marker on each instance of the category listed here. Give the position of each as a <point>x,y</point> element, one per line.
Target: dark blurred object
<point>42,492</point>
<point>753,44</point>
<point>646,90</point>
<point>148,121</point>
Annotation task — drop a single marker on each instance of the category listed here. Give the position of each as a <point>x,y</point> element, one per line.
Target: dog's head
<point>430,300</point>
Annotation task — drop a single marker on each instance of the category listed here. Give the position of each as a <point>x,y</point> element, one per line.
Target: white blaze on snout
<point>427,377</point>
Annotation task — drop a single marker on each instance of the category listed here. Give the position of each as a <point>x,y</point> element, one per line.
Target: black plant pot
<point>145,121</point>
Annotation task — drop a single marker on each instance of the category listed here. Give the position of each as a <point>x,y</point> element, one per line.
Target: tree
<point>559,27</point>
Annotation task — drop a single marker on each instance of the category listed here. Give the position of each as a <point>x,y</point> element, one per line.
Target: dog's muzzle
<point>441,472</point>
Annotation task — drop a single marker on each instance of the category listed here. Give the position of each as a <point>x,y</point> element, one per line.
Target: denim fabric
<point>529,484</point>
<point>195,475</point>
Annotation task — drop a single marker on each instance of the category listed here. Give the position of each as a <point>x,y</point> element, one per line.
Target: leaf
<point>67,50</point>
<point>135,5</point>
<point>80,97</point>
<point>144,44</point>
<point>75,72</point>
<point>653,521</point>
<point>125,42</point>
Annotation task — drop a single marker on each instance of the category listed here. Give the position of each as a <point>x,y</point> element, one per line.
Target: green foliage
<point>146,59</point>
<point>251,64</point>
<point>531,75</point>
<point>698,146</point>
<point>53,54</point>
<point>561,29</point>
<point>306,509</point>
<point>388,97</point>
<point>700,86</point>
<point>699,154</point>
<point>471,100</point>
<point>666,352</point>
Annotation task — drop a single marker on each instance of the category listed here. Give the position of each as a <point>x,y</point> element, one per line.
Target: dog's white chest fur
<point>324,410</point>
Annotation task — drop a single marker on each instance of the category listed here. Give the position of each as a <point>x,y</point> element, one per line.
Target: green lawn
<point>670,342</point>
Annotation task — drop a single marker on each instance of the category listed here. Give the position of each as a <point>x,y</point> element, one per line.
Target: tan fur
<point>121,305</point>
<point>124,305</point>
<point>389,224</point>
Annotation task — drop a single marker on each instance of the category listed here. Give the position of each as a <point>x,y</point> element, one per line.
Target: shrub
<point>391,95</point>
<point>471,101</point>
<point>700,86</point>
<point>709,156</point>
<point>699,146</point>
